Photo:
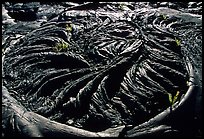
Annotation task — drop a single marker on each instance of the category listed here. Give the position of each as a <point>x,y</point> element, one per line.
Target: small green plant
<point>187,83</point>
<point>61,46</point>
<point>164,17</point>
<point>172,99</point>
<point>178,42</point>
<point>69,27</point>
<point>2,50</point>
<point>121,6</point>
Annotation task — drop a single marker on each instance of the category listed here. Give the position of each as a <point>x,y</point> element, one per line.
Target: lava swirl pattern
<point>96,70</point>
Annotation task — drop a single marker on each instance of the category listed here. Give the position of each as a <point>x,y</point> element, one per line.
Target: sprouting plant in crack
<point>187,83</point>
<point>164,17</point>
<point>121,6</point>
<point>61,47</point>
<point>3,51</point>
<point>178,42</point>
<point>173,99</point>
<point>68,27</point>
